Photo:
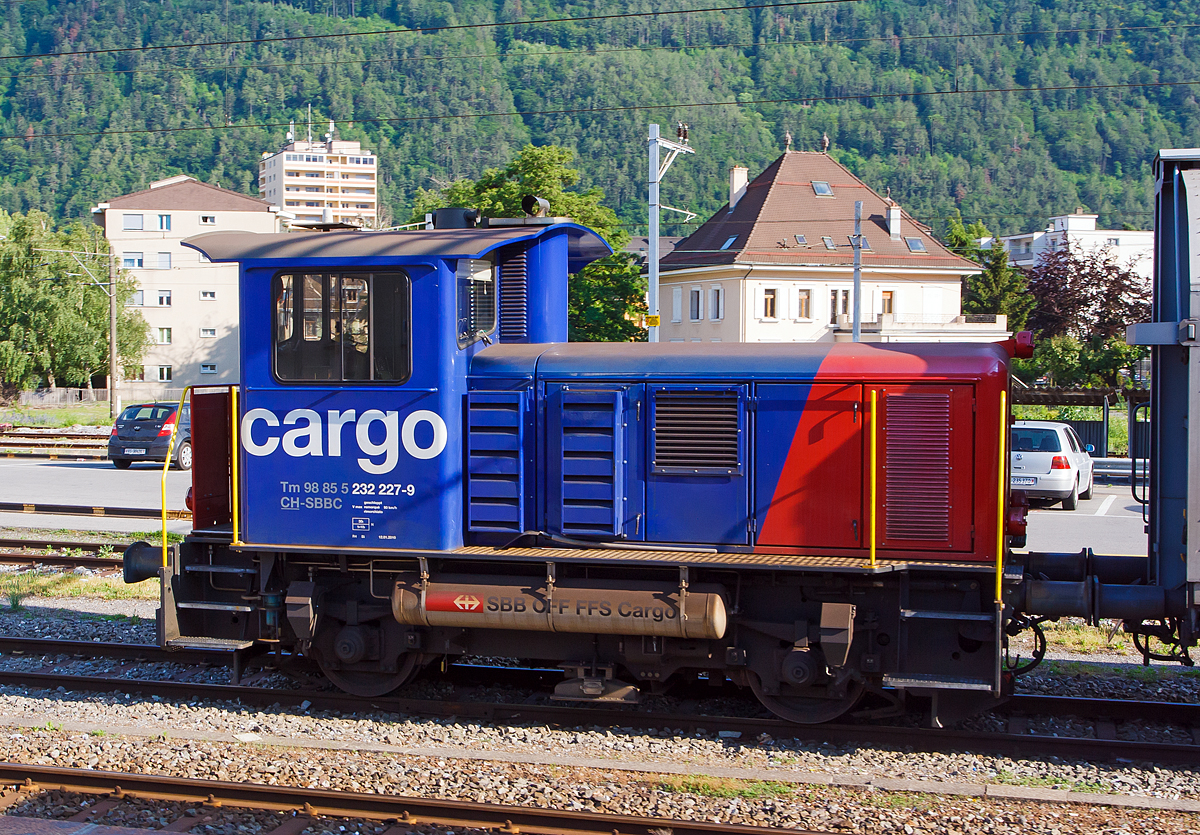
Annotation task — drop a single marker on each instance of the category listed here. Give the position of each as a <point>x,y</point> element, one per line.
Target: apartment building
<point>776,265</point>
<point>1128,247</point>
<point>329,180</point>
<point>190,304</point>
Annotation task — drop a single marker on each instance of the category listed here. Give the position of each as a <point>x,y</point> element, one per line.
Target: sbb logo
<point>312,437</point>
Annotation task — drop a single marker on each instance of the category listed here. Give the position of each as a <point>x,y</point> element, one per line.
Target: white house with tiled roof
<point>776,264</point>
<point>190,304</point>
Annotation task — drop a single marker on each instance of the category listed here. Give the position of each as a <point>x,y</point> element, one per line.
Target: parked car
<point>142,433</point>
<point>1048,461</point>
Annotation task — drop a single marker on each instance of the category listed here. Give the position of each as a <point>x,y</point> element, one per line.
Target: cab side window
<point>342,327</point>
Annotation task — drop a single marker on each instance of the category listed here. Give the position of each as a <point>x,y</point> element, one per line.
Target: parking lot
<point>89,483</point>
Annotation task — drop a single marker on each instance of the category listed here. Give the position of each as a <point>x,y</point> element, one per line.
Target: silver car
<point>1048,461</point>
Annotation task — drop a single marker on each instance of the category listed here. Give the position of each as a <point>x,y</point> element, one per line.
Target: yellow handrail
<point>233,460</point>
<point>167,466</point>
<point>1000,492</point>
<point>872,467</point>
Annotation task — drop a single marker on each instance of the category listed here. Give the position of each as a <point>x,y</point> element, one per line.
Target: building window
<point>729,241</point>
<point>131,260</point>
<point>676,304</point>
<point>137,299</point>
<point>801,240</point>
<point>164,336</point>
<point>866,245</point>
<point>1113,242</point>
<point>208,368</point>
<point>833,305</point>
<point>208,220</point>
<point>915,245</point>
<point>131,223</point>
<point>828,241</point>
<point>135,374</point>
<point>164,223</point>
<point>208,295</point>
<point>888,296</point>
<point>695,304</point>
<point>164,260</point>
<point>208,333</point>
<point>768,309</point>
<point>164,298</point>
<point>347,327</point>
<point>822,189</point>
<point>164,373</point>
<point>716,303</point>
<point>804,304</point>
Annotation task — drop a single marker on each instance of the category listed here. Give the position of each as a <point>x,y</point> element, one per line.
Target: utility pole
<point>658,167</point>
<point>856,333</point>
<point>114,404</point>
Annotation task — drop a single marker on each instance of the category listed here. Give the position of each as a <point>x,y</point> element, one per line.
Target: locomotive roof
<point>584,245</point>
<point>737,360</point>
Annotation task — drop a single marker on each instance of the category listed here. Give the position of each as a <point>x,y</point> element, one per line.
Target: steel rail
<point>411,811</point>
<point>59,560</point>
<point>60,544</point>
<point>87,510</point>
<point>924,739</point>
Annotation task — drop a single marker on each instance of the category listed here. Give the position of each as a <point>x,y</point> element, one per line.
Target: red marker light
<point>113,433</point>
<point>187,500</point>
<point>167,426</point>
<point>1060,463</point>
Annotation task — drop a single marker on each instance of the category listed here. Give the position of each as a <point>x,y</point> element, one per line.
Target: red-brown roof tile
<point>190,194</point>
<point>780,204</point>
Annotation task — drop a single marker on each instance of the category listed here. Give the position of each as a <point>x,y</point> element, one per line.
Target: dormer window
<point>801,240</point>
<point>822,189</point>
<point>729,242</point>
<point>915,245</point>
<point>828,241</point>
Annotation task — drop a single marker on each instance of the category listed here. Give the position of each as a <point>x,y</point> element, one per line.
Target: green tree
<point>964,240</point>
<point>1000,288</point>
<point>607,295</point>
<point>54,320</point>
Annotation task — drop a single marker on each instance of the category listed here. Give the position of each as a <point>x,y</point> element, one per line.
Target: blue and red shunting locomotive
<point>417,464</point>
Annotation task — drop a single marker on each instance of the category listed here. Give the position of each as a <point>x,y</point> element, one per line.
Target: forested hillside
<point>445,104</point>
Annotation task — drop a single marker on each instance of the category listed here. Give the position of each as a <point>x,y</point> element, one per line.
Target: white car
<point>1048,461</point>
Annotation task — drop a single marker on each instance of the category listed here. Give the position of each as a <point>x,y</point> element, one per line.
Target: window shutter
<point>676,304</point>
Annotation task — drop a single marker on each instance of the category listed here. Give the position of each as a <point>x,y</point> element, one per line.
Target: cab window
<point>476,300</point>
<point>342,327</point>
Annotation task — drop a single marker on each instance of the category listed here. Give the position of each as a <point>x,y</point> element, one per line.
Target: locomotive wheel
<point>794,705</point>
<point>370,683</point>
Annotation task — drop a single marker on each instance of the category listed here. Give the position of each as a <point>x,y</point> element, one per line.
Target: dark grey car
<point>142,433</point>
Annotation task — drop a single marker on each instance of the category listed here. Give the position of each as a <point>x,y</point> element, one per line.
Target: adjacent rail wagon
<point>417,466</point>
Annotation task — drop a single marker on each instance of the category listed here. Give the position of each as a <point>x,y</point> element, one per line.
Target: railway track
<point>307,805</point>
<point>1105,714</point>
<point>59,554</point>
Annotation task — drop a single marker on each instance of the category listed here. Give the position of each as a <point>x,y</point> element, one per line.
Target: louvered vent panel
<point>495,461</point>
<point>696,431</point>
<point>918,467</point>
<point>592,488</point>
<point>514,298</point>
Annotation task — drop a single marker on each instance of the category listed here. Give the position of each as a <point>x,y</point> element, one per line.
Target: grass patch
<point>19,586</point>
<point>58,417</point>
<point>156,536</point>
<point>1008,778</point>
<point>1133,672</point>
<point>914,801</point>
<point>1076,636</point>
<point>722,787</point>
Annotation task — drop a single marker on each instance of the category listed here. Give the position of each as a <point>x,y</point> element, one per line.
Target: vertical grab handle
<point>872,457</point>
<point>1001,492</point>
<point>1133,461</point>
<point>235,447</point>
